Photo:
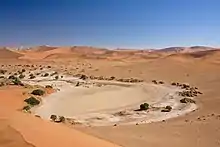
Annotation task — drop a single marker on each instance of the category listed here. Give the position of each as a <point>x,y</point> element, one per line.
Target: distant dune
<point>8,54</point>
<point>42,48</point>
<point>87,52</point>
<point>197,66</point>
<point>185,49</point>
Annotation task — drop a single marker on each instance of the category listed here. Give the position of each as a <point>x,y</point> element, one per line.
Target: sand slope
<point>36,131</point>
<point>9,137</point>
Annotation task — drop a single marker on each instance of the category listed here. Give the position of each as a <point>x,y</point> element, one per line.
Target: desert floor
<point>197,129</point>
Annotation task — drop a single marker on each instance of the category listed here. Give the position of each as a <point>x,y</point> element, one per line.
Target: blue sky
<point>110,23</point>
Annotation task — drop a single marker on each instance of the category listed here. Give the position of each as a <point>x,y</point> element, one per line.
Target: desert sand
<point>197,66</point>
<point>35,131</point>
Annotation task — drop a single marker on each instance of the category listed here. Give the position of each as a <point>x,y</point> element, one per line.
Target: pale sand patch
<point>98,106</point>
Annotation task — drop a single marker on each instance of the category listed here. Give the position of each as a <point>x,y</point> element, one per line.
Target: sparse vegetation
<point>3,71</point>
<point>49,86</point>
<point>38,92</point>
<point>112,78</point>
<point>57,77</point>
<point>32,76</point>
<point>21,76</point>
<point>61,119</point>
<point>16,81</point>
<point>187,100</point>
<point>53,117</point>
<point>154,81</point>
<point>23,70</point>
<point>46,74</point>
<point>38,74</point>
<point>77,84</point>
<point>144,106</point>
<point>57,119</point>
<point>173,83</point>
<point>167,109</point>
<point>32,101</point>
<point>12,77</point>
<point>83,77</point>
<point>161,82</point>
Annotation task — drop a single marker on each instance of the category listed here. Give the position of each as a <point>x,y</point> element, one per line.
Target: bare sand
<point>197,129</point>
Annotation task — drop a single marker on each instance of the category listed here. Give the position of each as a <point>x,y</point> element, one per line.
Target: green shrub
<point>161,82</point>
<point>83,77</point>
<point>167,109</point>
<point>12,77</point>
<point>144,106</point>
<point>57,119</point>
<point>48,86</point>
<point>32,101</point>
<point>53,117</point>
<point>38,92</point>
<point>3,71</point>
<point>46,74</point>
<point>62,119</point>
<point>21,76</point>
<point>26,108</point>
<point>32,76</point>
<point>187,100</point>
<point>173,83</point>
<point>154,81</point>
<point>16,81</point>
<point>57,77</point>
<point>112,78</point>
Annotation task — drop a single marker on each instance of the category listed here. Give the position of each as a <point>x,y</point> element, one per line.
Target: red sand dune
<point>38,132</point>
<point>46,52</point>
<point>208,55</point>
<point>173,50</point>
<point>8,54</point>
